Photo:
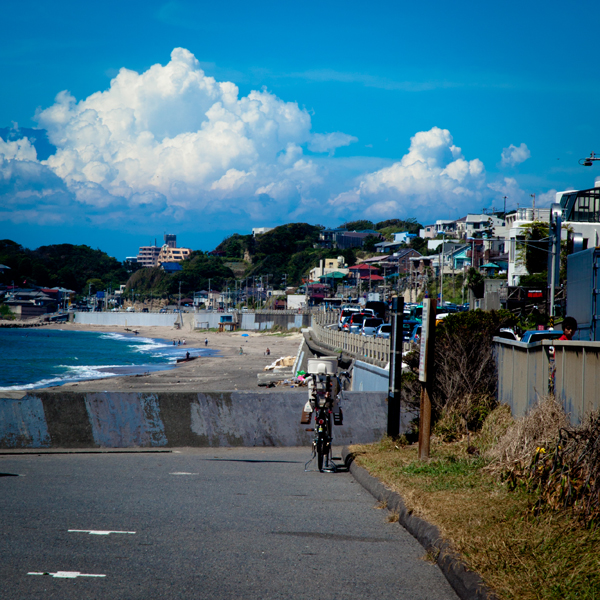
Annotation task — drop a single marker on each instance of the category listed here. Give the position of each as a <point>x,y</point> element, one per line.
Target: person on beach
<point>268,352</point>
<point>183,343</point>
<point>174,344</point>
<point>241,350</point>
<point>205,342</point>
<point>569,326</point>
<point>187,356</point>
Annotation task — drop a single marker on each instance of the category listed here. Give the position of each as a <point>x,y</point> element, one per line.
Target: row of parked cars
<point>363,321</point>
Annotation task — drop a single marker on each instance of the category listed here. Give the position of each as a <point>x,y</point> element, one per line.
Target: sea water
<point>42,357</point>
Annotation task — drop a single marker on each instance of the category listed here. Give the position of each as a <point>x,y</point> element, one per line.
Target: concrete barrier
<point>370,378</point>
<point>133,319</point>
<point>262,320</point>
<point>126,420</point>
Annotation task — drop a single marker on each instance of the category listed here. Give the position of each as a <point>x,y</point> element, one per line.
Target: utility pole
<point>179,301</point>
<point>555,233</point>
<point>395,378</point>
<point>442,271</point>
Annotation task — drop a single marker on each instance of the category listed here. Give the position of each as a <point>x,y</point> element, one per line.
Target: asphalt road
<point>239,523</point>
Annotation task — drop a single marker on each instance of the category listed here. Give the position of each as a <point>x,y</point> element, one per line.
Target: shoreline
<point>228,370</point>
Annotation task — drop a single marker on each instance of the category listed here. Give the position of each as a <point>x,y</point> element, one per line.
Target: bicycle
<point>324,395</point>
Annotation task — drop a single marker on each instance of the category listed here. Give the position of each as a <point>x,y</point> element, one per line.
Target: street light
<point>589,161</point>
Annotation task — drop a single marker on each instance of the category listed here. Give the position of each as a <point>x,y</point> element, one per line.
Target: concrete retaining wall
<point>206,319</point>
<point>369,378</point>
<point>132,319</point>
<point>126,420</point>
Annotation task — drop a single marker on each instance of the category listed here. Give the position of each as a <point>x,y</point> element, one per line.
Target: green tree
<point>358,225</point>
<point>534,252</point>
<point>369,243</point>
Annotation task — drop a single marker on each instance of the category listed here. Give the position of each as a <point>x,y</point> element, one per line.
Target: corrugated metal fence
<point>528,371</point>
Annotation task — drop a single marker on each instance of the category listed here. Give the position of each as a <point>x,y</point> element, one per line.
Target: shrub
<point>463,392</point>
<point>6,313</point>
<point>567,473</point>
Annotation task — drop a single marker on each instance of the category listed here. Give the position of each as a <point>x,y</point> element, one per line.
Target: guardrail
<point>375,351</point>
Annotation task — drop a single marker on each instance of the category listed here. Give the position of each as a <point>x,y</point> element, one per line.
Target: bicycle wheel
<point>321,450</point>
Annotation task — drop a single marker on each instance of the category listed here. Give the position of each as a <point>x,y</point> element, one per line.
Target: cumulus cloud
<point>175,132</point>
<point>433,177</point>
<point>18,150</point>
<point>172,144</point>
<point>328,142</point>
<point>514,155</point>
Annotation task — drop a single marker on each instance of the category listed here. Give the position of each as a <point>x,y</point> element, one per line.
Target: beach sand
<point>226,371</point>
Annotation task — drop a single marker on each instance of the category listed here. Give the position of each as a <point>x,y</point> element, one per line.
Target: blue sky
<point>204,119</point>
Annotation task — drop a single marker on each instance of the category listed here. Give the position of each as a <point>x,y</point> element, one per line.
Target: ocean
<point>42,357</point>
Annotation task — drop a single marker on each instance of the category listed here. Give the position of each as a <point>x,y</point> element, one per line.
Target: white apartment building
<point>148,256</point>
<point>471,225</point>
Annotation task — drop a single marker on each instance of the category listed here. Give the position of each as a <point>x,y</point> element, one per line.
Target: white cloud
<point>175,132</point>
<point>514,155</point>
<point>328,142</point>
<point>171,144</point>
<point>432,178</point>
<point>18,150</point>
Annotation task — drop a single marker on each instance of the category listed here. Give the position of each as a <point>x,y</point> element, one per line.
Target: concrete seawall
<point>251,321</point>
<point>129,420</point>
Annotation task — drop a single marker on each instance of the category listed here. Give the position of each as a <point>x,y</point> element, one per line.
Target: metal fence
<point>528,371</point>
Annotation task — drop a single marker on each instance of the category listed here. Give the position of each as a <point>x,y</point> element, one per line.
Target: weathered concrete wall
<point>369,378</point>
<point>132,319</point>
<point>205,319</point>
<point>125,420</point>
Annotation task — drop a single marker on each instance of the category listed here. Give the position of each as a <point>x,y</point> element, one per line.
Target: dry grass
<point>540,428</point>
<point>518,553</point>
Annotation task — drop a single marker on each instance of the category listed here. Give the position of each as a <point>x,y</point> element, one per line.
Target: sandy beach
<point>229,370</point>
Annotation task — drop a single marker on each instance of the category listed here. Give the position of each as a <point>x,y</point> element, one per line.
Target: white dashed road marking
<point>97,531</point>
<point>183,473</point>
<point>67,574</point>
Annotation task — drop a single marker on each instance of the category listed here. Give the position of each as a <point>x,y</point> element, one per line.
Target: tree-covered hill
<point>64,265</point>
<point>196,271</point>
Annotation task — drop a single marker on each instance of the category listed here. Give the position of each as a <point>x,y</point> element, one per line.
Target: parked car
<point>354,324</point>
<point>344,326</point>
<point>408,326</point>
<point>384,331</point>
<point>370,325</point>
<point>537,335</point>
<point>144,310</point>
<point>507,333</point>
<point>415,336</point>
<point>347,312</point>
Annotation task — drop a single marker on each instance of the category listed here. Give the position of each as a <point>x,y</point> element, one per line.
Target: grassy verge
<point>519,554</point>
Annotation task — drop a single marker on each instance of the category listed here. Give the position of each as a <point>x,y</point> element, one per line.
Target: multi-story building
<point>472,225</point>
<point>328,266</point>
<point>148,256</point>
<point>154,256</point>
<point>170,240</point>
<point>168,254</point>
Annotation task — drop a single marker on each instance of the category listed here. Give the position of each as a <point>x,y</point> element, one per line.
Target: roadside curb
<point>467,584</point>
